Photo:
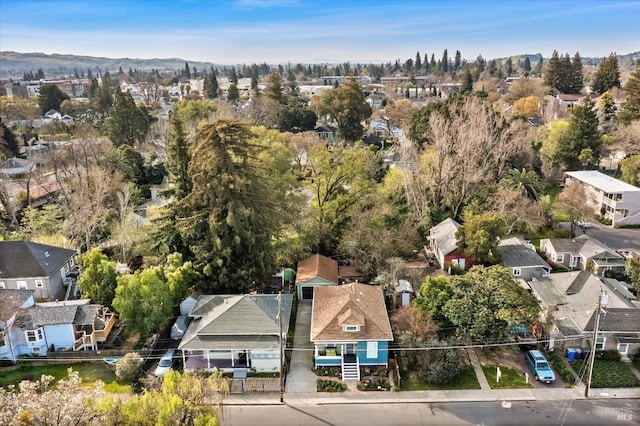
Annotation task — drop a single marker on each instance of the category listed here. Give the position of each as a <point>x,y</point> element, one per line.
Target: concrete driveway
<point>301,378</point>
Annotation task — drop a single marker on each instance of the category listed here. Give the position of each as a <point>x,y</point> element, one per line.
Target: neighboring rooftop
<point>317,266</point>
<point>602,182</point>
<point>444,234</point>
<point>20,259</point>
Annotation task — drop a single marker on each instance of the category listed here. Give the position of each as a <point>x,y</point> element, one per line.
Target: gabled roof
<point>444,234</point>
<point>12,300</point>
<point>574,295</point>
<point>515,254</point>
<point>26,259</point>
<point>617,319</point>
<point>403,286</point>
<point>236,322</point>
<point>566,245</point>
<point>317,266</point>
<point>350,304</point>
<point>603,182</point>
<point>592,248</point>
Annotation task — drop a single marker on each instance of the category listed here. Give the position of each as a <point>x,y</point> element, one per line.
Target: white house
<point>615,199</point>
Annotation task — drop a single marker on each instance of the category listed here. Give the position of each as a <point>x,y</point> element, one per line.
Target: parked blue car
<point>540,366</point>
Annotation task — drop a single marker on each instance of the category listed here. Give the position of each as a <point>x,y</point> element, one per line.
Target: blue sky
<point>278,31</point>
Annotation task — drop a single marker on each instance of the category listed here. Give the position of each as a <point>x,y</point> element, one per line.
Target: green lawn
<point>608,374</point>
<point>465,379</point>
<point>509,379</point>
<point>89,372</point>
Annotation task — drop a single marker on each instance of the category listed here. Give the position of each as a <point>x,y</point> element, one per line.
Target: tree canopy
<point>607,75</point>
<point>98,280</point>
<point>50,97</point>
<point>127,124</point>
<point>346,106</point>
<point>630,109</point>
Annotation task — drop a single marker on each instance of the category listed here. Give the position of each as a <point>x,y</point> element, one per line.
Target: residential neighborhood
<point>441,227</point>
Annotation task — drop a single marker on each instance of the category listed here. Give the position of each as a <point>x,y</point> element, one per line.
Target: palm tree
<point>525,181</point>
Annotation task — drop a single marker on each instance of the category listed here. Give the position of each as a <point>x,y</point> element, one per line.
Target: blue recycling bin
<point>571,354</point>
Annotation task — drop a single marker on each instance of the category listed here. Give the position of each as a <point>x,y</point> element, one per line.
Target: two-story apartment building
<point>613,198</point>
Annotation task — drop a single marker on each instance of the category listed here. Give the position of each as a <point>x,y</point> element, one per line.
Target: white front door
<point>623,348</point>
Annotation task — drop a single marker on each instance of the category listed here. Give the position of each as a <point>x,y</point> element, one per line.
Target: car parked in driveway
<point>583,223</point>
<point>541,368</point>
<point>165,364</point>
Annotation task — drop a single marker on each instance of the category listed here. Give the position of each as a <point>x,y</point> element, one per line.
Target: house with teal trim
<point>350,328</point>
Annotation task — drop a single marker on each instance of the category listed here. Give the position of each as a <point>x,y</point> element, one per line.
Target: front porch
<point>343,355</point>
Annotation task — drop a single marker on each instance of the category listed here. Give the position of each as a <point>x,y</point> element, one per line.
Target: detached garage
<point>315,271</point>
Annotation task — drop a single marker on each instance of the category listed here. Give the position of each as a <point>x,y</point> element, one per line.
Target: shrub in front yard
<point>607,374</point>
<point>330,386</point>
<point>374,383</point>
<point>328,371</point>
<point>561,368</point>
<point>608,355</point>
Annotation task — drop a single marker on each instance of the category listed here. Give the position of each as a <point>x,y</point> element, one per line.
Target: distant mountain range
<point>15,64</point>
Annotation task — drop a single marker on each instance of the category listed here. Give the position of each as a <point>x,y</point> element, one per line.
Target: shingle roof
<point>617,319</point>
<point>26,259</point>
<point>317,266</point>
<point>350,304</point>
<point>566,245</point>
<point>53,315</point>
<point>11,301</point>
<point>444,235</point>
<point>230,321</point>
<point>516,255</point>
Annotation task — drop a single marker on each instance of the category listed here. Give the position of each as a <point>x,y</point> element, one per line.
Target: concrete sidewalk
<point>357,397</point>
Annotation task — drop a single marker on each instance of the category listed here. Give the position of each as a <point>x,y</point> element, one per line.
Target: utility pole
<point>281,346</point>
<point>602,300</point>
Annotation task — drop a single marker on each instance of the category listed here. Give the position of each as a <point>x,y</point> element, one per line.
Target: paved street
<point>623,238</point>
<point>560,412</point>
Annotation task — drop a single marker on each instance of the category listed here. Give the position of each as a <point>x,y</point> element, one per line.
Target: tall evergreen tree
<point>210,85</point>
<point>509,66</point>
<point>630,109</point>
<point>467,82</point>
<point>526,66</point>
<point>418,62</point>
<point>274,89</point>
<point>50,97</point>
<point>432,63</point>
<point>577,74</point>
<point>582,134</point>
<point>187,71</point>
<point>227,218</point>
<point>607,75</point>
<point>233,77</point>
<point>126,124</point>
<point>445,61</point>
<point>552,73</point>
<point>458,61</point>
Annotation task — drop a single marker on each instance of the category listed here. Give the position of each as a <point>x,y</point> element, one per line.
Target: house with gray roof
<point>25,265</point>
<point>37,328</point>
<point>442,243</point>
<point>522,259</point>
<point>236,332</point>
<point>568,301</point>
<point>583,252</point>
